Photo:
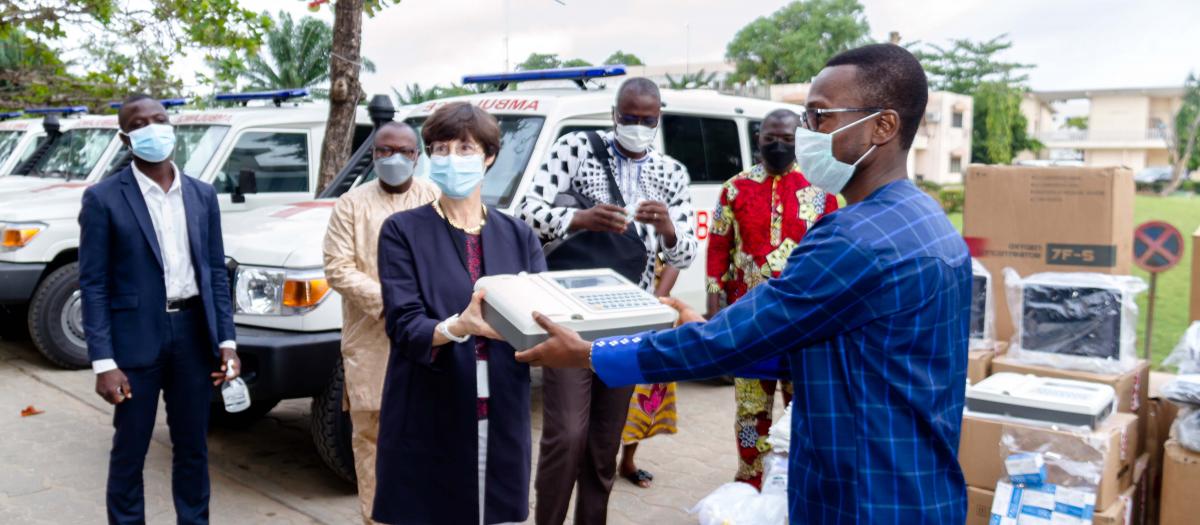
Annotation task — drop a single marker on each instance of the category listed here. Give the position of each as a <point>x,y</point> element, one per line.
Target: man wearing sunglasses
<point>351,265</point>
<point>642,206</point>
<point>869,317</point>
<point>761,215</point>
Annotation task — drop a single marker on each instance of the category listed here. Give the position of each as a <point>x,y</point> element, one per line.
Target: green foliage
<point>297,55</point>
<point>621,57</point>
<point>1080,122</point>
<point>793,43</point>
<point>951,199</point>
<point>965,64</point>
<point>1184,118</point>
<point>999,130</point>
<point>414,94</point>
<point>370,7</point>
<point>697,80</point>
<point>537,61</point>
<point>132,46</point>
<point>575,62</point>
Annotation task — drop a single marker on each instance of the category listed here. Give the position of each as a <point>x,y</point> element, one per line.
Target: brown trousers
<point>364,440</point>
<point>581,435</point>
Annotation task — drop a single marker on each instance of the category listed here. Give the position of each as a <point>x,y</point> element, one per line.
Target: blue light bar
<point>566,73</point>
<point>10,114</point>
<point>277,95</point>
<point>67,110</point>
<point>166,102</point>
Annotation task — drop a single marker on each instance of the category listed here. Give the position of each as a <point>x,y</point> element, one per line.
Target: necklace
<point>469,231</point>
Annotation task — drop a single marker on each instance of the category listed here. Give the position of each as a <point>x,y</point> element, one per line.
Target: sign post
<point>1157,247</point>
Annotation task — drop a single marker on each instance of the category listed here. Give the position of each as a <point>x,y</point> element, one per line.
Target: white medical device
<point>594,303</point>
<point>1064,401</point>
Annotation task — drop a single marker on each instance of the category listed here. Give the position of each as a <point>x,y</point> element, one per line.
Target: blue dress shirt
<point>870,321</point>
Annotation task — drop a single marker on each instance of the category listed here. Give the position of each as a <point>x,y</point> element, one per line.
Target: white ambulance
<point>276,257</point>
<point>20,137</point>
<point>254,156</point>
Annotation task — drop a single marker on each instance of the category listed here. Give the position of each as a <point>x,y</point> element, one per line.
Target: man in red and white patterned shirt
<point>762,215</point>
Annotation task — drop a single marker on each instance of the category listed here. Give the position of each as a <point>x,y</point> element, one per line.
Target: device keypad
<point>617,300</point>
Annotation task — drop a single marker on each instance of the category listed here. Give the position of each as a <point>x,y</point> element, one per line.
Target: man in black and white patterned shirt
<point>583,418</point>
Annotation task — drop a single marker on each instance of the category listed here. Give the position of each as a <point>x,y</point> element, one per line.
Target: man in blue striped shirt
<point>869,318</point>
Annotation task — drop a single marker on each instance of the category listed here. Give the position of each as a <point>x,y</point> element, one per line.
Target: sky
<point>1075,44</point>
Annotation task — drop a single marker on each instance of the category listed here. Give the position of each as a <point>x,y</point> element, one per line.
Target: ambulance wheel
<point>331,428</point>
<point>219,418</point>
<point>56,319</point>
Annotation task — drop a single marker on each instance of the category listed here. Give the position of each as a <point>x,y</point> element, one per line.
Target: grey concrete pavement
<point>55,462</point>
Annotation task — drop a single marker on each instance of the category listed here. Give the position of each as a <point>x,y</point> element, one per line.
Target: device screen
<point>589,281</point>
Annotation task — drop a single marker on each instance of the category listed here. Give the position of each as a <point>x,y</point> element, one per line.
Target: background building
<point>1125,127</point>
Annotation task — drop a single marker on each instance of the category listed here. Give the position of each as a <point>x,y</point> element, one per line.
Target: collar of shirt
<point>146,184</point>
<point>759,172</point>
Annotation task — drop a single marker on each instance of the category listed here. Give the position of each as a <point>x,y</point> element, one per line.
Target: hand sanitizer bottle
<point>237,397</point>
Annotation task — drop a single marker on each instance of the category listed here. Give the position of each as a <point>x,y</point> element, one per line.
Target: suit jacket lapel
<point>137,204</point>
<point>193,211</point>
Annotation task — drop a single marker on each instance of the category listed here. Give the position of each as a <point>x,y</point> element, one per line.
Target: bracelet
<point>591,366</point>
<point>444,328</point>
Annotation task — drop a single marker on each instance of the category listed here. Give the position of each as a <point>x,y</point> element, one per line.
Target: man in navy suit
<point>157,311</point>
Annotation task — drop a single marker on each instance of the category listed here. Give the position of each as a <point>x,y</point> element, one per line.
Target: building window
<point>710,148</point>
<point>958,119</point>
<point>955,164</point>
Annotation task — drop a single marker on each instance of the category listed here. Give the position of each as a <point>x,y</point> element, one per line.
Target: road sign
<point>1157,246</point>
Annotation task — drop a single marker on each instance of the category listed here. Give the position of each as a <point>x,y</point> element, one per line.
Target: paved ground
<point>54,463</point>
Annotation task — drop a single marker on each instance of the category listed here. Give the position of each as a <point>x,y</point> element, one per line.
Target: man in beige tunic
<point>351,267</point>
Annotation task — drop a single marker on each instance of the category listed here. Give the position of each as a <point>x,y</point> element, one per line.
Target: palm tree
<point>697,80</point>
<point>299,56</point>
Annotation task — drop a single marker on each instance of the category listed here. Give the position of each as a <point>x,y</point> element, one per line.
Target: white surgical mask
<point>635,137</point>
<point>394,170</point>
<point>814,155</point>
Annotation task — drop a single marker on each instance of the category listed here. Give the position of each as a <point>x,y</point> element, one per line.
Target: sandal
<point>638,477</point>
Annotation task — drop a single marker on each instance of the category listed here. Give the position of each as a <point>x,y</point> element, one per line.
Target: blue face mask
<point>814,155</point>
<point>457,176</point>
<point>153,142</point>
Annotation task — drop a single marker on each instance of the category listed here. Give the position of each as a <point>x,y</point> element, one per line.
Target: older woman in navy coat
<point>454,426</point>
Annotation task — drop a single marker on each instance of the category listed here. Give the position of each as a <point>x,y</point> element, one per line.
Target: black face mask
<point>778,156</point>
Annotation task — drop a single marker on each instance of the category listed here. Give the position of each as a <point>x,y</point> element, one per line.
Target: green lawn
<point>1171,306</point>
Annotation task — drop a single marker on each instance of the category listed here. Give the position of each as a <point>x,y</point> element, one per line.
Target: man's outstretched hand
<point>564,348</point>
<point>686,313</point>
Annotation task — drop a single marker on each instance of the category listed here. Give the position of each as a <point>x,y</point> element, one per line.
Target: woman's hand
<point>686,313</point>
<point>471,322</point>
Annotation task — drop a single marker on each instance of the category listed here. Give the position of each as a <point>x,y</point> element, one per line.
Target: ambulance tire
<point>219,418</point>
<point>332,430</point>
<point>56,321</point>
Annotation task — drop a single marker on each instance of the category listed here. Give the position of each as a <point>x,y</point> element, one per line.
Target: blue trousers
<point>181,374</point>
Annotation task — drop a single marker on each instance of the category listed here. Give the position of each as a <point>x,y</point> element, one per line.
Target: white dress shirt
<point>170,230</point>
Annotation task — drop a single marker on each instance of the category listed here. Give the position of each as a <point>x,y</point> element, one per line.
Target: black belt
<point>176,305</point>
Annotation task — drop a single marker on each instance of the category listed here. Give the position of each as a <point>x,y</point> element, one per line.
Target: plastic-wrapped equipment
<point>1075,321</point>
<point>1186,355</point>
<point>1184,391</point>
<point>983,311</point>
<point>1051,480</point>
<point>1186,429</point>
<point>739,503</point>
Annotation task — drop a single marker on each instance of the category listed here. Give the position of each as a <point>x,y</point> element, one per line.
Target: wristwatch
<point>444,328</point>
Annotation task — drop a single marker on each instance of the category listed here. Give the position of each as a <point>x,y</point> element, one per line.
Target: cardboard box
<point>979,505</point>
<point>1132,388</point>
<point>1180,486</point>
<point>1195,277</point>
<point>1039,219</point>
<point>982,462</point>
<point>1158,428</point>
<point>979,365</point>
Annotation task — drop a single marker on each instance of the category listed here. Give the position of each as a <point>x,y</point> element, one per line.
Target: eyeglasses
<point>461,148</point>
<point>386,151</point>
<point>811,118</point>
<point>634,120</point>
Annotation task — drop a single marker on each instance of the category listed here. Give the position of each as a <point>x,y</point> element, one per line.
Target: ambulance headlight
<point>276,291</point>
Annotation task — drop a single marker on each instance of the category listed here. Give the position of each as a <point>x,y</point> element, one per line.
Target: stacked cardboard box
<point>1180,502</point>
<point>1047,219</point>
